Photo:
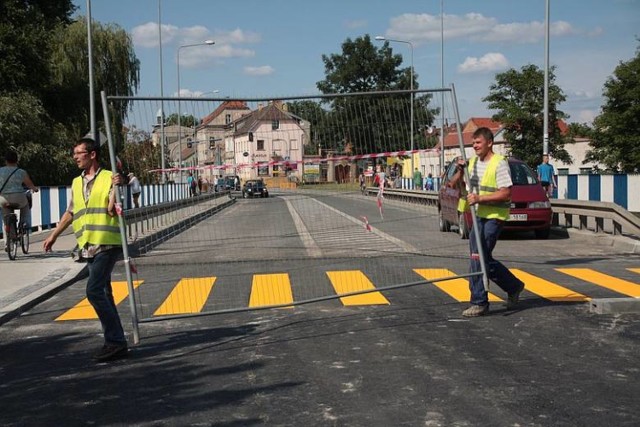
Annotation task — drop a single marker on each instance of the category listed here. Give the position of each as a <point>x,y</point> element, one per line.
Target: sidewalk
<point>34,277</point>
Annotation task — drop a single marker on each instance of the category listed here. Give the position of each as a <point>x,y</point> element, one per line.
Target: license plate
<point>517,217</point>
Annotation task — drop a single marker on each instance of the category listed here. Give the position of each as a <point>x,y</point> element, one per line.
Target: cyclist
<point>12,179</point>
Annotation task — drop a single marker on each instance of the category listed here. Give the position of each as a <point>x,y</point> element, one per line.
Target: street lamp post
<point>382,38</point>
<point>205,43</point>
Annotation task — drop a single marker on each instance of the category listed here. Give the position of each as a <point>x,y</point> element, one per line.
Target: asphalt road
<point>410,361</point>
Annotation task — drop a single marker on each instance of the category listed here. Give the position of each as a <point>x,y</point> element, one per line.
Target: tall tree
<point>519,98</point>
<point>116,71</point>
<point>616,136</point>
<point>371,123</point>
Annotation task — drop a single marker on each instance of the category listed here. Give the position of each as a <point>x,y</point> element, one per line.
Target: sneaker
<point>514,298</point>
<point>111,352</point>
<point>476,310</point>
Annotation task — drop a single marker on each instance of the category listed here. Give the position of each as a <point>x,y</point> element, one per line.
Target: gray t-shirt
<point>14,183</point>
<point>503,174</point>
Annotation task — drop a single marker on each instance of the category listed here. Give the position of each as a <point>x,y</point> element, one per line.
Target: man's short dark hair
<point>11,156</point>
<point>484,132</point>
<point>90,144</point>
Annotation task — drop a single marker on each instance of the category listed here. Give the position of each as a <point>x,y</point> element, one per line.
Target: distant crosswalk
<point>190,295</point>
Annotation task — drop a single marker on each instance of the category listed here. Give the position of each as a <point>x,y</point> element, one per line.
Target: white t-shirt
<point>503,174</point>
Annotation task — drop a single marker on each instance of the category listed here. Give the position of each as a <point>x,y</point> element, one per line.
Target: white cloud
<point>474,26</point>
<point>146,35</point>
<point>263,70</point>
<point>486,63</point>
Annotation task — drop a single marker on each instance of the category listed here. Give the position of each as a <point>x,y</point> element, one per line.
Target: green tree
<point>186,121</point>
<point>116,71</point>
<point>371,123</point>
<point>616,135</point>
<point>519,98</point>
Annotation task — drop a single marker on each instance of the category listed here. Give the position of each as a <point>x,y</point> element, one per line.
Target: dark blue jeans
<point>100,295</point>
<point>489,230</point>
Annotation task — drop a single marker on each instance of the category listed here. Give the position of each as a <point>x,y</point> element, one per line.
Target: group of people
<point>92,214</point>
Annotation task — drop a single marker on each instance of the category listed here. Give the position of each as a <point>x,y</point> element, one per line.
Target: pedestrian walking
<point>490,191</point>
<point>91,212</point>
<point>136,189</point>
<point>417,179</point>
<point>546,175</point>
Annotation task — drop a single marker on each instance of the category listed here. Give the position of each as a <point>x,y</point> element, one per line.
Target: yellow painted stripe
<point>84,311</point>
<point>604,280</point>
<point>352,281</point>
<point>458,289</point>
<point>188,296</point>
<point>635,270</point>
<point>270,289</point>
<point>546,289</point>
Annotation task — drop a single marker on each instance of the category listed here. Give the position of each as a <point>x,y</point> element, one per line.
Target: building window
<point>227,119</point>
<point>585,171</point>
<point>275,124</point>
<point>563,171</point>
<point>263,170</point>
<point>260,146</point>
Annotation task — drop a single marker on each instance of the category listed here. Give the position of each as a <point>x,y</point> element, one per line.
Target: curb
<point>75,273</point>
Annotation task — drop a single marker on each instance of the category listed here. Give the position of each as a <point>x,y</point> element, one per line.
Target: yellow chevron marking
<point>635,270</point>
<point>270,289</point>
<point>458,289</point>
<point>352,281</point>
<point>604,280</point>
<point>188,296</point>
<point>546,289</point>
<point>84,311</point>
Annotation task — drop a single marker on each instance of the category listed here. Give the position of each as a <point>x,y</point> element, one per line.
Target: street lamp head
<point>381,38</point>
<point>209,42</point>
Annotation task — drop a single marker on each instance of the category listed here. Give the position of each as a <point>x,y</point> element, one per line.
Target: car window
<point>521,174</point>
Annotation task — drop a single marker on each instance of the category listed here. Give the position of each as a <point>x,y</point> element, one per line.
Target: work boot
<point>514,298</point>
<point>111,352</point>
<point>476,310</point>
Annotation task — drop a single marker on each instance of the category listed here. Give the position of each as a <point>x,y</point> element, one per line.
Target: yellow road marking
<point>352,281</point>
<point>270,289</point>
<point>635,270</point>
<point>546,289</point>
<point>84,311</point>
<point>458,289</point>
<point>604,280</point>
<point>188,296</point>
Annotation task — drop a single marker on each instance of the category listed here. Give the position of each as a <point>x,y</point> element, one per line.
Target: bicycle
<point>16,234</point>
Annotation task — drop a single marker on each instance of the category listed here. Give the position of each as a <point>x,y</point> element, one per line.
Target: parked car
<point>220,185</point>
<point>254,188</point>
<point>530,206</point>
<point>232,182</point>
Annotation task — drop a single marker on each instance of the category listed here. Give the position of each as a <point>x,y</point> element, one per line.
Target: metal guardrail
<point>620,221</point>
<point>151,225</point>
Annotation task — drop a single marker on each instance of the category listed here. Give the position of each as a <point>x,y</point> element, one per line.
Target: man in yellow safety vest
<point>490,190</point>
<point>91,211</point>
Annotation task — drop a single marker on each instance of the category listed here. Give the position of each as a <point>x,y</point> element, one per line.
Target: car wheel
<point>463,230</point>
<point>542,234</point>
<point>443,223</point>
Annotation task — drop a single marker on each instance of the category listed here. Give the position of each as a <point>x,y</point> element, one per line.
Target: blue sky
<point>274,48</point>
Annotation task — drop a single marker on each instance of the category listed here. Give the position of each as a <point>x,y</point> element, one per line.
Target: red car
<point>530,206</point>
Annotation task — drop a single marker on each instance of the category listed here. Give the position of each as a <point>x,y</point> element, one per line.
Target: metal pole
<point>179,124</point>
<point>442,85</point>
<point>121,224</point>
<point>162,136</point>
<point>92,100</point>
<point>483,266</point>
<point>411,114</point>
<point>545,131</point>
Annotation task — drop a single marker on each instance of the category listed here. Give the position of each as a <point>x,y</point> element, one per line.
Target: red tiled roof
<point>226,105</point>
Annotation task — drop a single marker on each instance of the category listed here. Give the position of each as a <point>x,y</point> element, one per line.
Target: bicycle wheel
<point>24,238</point>
<point>13,242</point>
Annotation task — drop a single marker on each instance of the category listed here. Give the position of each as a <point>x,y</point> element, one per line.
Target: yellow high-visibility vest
<point>91,222</point>
<point>488,185</point>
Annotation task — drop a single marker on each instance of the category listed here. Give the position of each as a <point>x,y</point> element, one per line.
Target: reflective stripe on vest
<point>91,222</point>
<point>488,185</point>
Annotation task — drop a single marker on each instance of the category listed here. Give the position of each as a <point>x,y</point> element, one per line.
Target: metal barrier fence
<point>258,254</point>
